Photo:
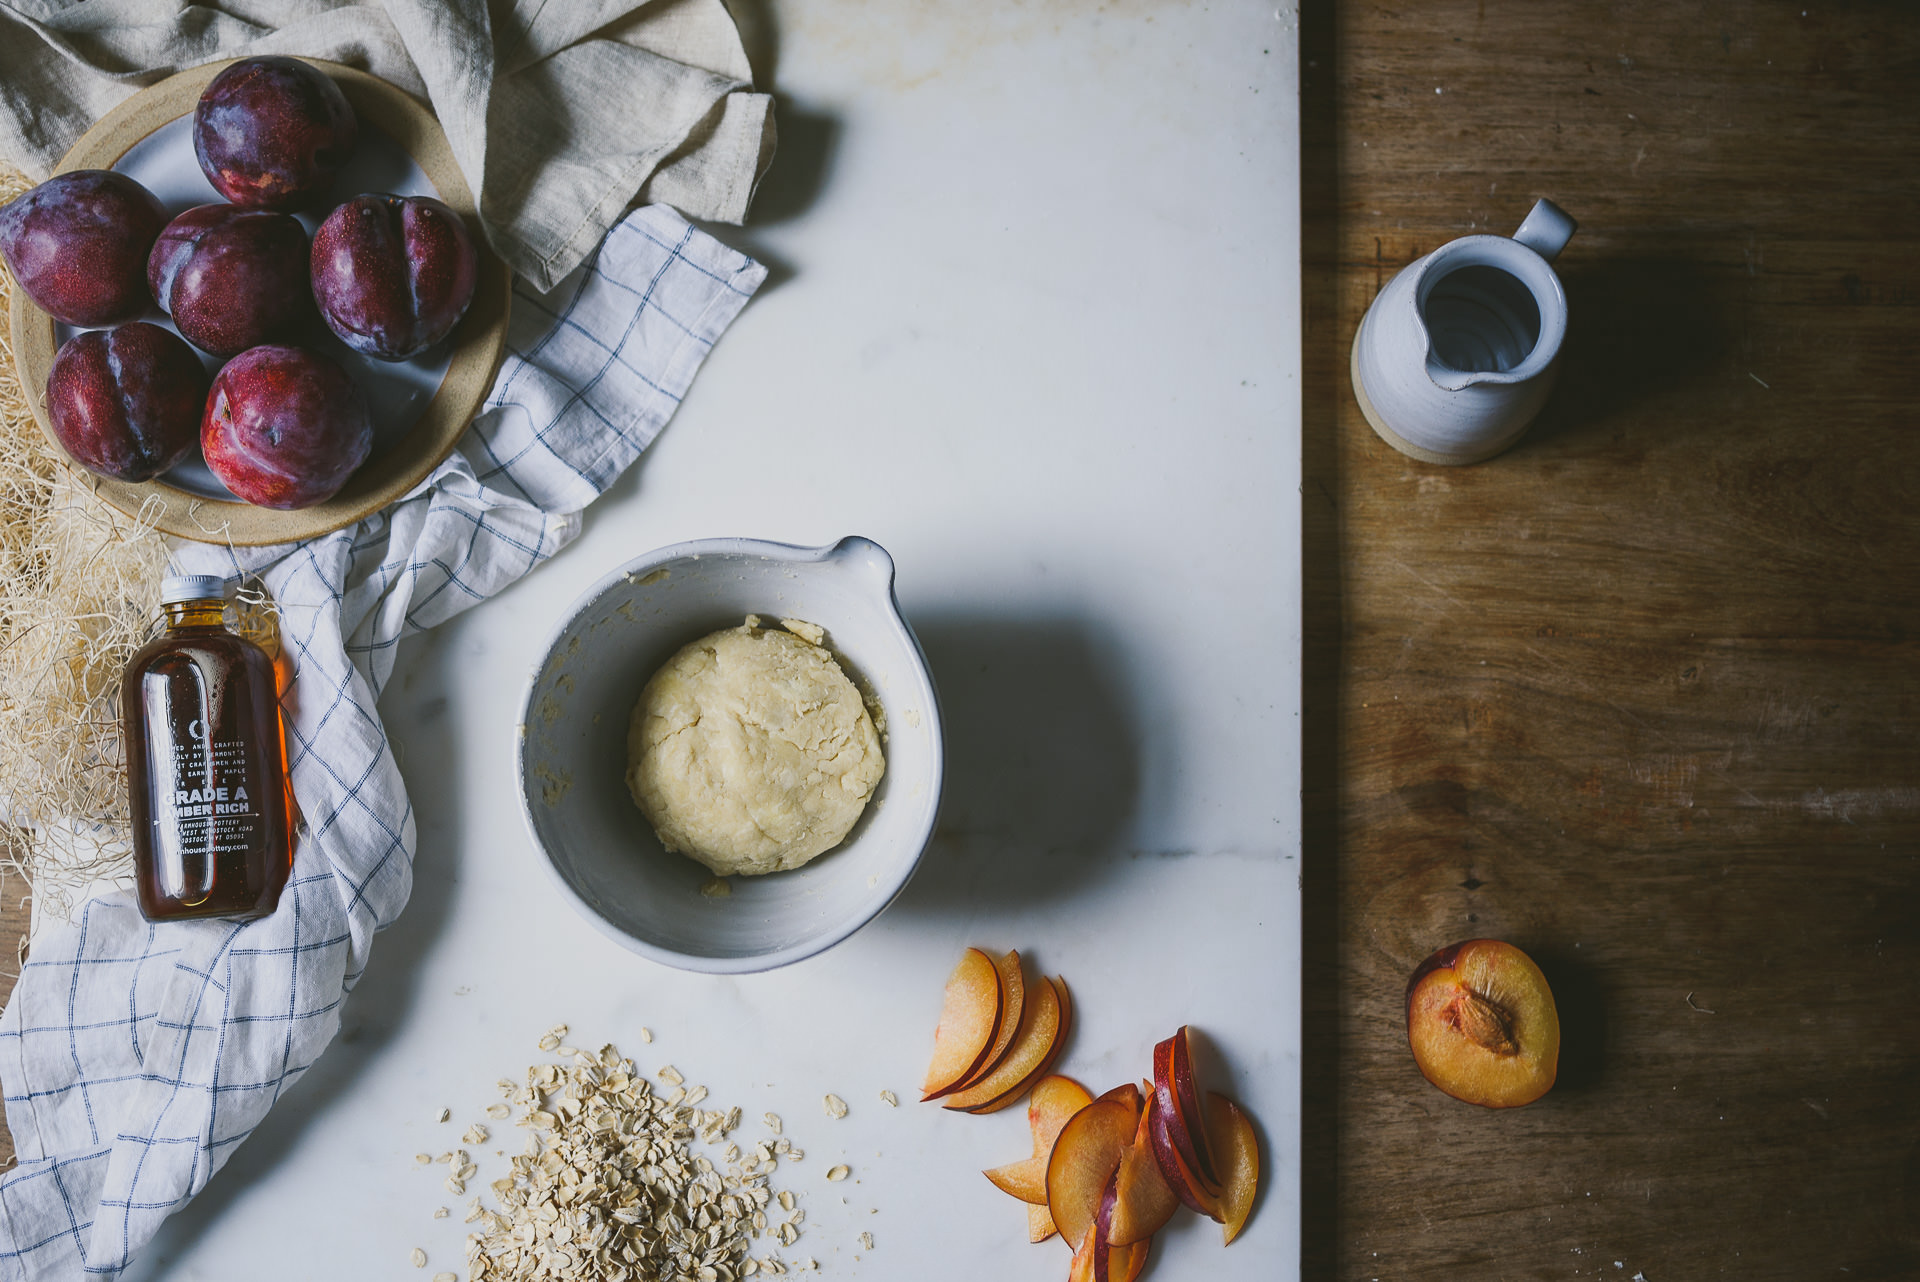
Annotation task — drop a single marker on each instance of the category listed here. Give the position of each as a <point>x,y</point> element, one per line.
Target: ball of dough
<point>751,751</point>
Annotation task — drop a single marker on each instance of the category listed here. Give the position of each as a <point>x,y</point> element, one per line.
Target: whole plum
<point>126,402</point>
<point>285,427</point>
<point>77,245</point>
<point>232,278</point>
<point>272,132</point>
<point>393,275</point>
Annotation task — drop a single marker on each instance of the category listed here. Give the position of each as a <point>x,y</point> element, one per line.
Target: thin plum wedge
<point>1098,1258</point>
<point>1180,1115</point>
<point>1181,1178</point>
<point>1237,1148</point>
<point>1013,1001</point>
<point>1031,1051</point>
<point>1055,1100</point>
<point>1084,1160</point>
<point>969,1019</point>
<point>1143,1201</point>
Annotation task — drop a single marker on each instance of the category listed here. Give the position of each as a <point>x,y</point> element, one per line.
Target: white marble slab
<point>1037,332</point>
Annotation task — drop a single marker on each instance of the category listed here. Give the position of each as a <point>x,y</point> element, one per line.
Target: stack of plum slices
<point>282,425</point>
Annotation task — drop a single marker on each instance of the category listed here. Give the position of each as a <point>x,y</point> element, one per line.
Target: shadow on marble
<point>415,708</point>
<point>1042,762</point>
<point>807,139</point>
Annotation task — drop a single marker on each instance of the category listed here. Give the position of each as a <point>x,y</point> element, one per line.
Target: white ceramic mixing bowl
<point>572,751</point>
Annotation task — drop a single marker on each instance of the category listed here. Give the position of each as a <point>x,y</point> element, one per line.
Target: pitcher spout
<point>1448,379</point>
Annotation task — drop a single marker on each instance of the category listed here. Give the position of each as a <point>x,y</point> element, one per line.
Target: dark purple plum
<point>285,427</point>
<point>232,278</point>
<point>272,132</point>
<point>77,244</point>
<point>126,402</point>
<point>393,275</point>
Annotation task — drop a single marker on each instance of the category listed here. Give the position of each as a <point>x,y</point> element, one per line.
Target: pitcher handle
<point>1547,230</point>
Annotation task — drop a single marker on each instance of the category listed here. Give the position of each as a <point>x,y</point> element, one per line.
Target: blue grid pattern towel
<point>136,1057</point>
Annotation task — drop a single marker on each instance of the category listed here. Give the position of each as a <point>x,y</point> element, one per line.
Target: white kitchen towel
<point>135,1057</point>
<point>559,113</point>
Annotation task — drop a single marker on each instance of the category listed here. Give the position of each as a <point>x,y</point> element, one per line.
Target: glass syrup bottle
<point>206,764</point>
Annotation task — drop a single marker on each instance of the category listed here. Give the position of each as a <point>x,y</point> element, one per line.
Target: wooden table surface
<point>1643,695</point>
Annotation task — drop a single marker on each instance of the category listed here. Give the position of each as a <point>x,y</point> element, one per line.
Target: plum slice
<point>969,1020</point>
<point>1055,1100</point>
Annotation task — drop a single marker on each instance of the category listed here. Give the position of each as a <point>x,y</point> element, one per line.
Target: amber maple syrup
<point>206,764</point>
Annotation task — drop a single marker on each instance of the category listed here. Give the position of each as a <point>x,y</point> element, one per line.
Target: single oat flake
<point>889,1099</point>
<point>443,1115</point>
<point>866,1240</point>
<point>418,1257</point>
<point>838,1173</point>
<point>835,1106</point>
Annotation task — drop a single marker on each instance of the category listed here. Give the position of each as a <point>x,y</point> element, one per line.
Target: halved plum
<point>1482,1024</point>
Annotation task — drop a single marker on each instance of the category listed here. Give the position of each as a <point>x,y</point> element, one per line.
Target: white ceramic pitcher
<point>1458,352</point>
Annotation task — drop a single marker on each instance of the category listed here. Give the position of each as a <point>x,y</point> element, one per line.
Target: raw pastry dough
<point>751,751</point>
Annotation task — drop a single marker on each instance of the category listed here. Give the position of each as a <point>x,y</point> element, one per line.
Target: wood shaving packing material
<point>609,1190</point>
<point>79,593</point>
<point>79,587</point>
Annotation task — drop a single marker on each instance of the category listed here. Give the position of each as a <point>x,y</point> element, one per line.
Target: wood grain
<point>1643,694</point>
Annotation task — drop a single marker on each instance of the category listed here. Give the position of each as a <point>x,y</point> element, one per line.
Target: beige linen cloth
<point>561,112</point>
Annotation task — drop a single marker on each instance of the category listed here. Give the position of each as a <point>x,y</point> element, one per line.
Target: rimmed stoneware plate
<point>420,407</point>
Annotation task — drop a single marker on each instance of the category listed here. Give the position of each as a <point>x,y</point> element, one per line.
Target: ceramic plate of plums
<point>257,300</point>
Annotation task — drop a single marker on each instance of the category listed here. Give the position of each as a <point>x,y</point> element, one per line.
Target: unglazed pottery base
<point>1400,442</point>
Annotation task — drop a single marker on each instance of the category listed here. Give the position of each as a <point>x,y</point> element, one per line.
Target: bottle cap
<point>176,588</point>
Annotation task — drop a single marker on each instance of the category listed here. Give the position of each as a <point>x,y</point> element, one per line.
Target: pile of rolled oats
<point>609,1190</point>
